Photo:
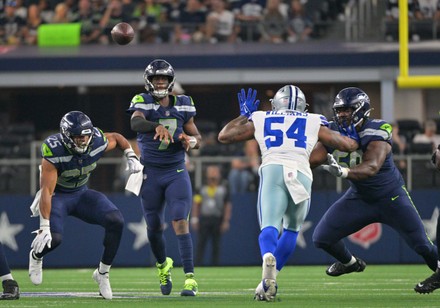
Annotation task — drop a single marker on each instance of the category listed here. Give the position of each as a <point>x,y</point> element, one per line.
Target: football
<point>122,33</point>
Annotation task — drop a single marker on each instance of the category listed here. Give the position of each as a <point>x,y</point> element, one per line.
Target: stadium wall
<point>82,245</point>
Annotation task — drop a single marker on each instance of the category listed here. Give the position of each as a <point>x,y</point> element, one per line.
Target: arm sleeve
<point>141,125</point>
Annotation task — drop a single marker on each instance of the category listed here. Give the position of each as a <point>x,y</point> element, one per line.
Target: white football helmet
<point>289,98</point>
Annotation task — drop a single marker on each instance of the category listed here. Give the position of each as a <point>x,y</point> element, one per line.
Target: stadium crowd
<point>172,21</point>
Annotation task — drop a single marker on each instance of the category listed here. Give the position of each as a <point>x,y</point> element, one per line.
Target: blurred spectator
<point>191,23</point>
<point>220,23</point>
<point>392,19</point>
<point>248,16</point>
<point>61,14</point>
<point>148,14</point>
<point>426,12</point>
<point>243,176</point>
<point>211,214</point>
<point>429,135</point>
<point>300,25</point>
<point>34,20</point>
<point>20,9</point>
<point>46,11</point>
<point>274,22</point>
<point>399,145</point>
<point>90,29</point>
<point>12,26</point>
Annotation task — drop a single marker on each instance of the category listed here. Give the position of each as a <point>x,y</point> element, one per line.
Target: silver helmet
<point>289,98</point>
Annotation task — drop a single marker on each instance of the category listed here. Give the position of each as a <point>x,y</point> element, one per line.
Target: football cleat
<point>338,269</point>
<point>429,284</point>
<point>103,281</point>
<point>190,288</point>
<point>164,273</point>
<point>266,290</point>
<point>259,293</point>
<point>10,290</point>
<point>35,269</point>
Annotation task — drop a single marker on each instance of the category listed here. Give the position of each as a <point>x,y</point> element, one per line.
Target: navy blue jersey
<point>154,152</point>
<point>73,169</point>
<point>388,177</point>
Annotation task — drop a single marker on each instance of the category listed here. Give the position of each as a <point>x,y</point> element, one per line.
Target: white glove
<point>334,168</point>
<point>133,163</point>
<point>43,238</point>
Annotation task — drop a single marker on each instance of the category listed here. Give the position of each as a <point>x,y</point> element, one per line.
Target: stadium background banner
<point>82,244</point>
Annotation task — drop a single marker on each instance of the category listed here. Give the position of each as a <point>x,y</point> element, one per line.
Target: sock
<point>268,240</point>
<point>6,277</point>
<point>103,268</point>
<point>285,247</point>
<point>186,252</point>
<point>352,261</point>
<point>157,243</point>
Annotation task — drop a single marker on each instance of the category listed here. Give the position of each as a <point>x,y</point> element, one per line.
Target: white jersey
<point>287,137</point>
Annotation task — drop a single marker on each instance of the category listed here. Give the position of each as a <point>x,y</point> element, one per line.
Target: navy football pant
<point>350,213</point>
<point>4,267</point>
<point>92,207</point>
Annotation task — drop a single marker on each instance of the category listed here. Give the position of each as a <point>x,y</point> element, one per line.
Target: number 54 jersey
<point>287,137</point>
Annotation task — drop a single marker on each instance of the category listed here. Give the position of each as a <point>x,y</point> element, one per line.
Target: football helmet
<point>159,67</point>
<point>357,100</point>
<point>76,123</point>
<point>289,98</point>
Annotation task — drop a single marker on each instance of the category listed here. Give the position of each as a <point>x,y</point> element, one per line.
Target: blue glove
<point>247,103</point>
<point>349,131</point>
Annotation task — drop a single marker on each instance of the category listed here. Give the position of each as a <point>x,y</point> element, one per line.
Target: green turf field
<point>299,286</point>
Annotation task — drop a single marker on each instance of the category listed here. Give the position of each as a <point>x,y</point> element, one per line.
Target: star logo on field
<point>431,224</point>
<point>140,232</point>
<point>300,241</point>
<point>9,231</point>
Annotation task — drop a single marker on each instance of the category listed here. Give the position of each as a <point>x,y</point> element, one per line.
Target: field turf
<point>299,286</point>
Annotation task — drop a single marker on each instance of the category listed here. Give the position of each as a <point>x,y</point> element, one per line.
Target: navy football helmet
<point>159,67</point>
<point>355,99</point>
<point>289,98</point>
<point>76,123</point>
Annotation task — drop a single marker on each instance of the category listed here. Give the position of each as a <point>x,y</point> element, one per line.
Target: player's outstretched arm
<point>336,140</point>
<point>239,129</point>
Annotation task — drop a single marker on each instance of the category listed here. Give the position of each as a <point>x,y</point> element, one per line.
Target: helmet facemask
<point>75,124</point>
<point>159,68</point>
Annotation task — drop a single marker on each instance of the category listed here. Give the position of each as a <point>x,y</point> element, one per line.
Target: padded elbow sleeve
<point>141,125</point>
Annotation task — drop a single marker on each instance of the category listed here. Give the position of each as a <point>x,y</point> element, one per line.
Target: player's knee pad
<point>114,220</point>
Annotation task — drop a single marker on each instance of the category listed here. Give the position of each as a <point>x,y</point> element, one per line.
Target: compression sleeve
<point>141,125</point>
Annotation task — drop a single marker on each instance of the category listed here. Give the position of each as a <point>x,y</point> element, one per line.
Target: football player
<point>432,282</point>
<point>10,286</point>
<point>377,190</point>
<point>286,137</point>
<point>69,158</point>
<point>165,130</point>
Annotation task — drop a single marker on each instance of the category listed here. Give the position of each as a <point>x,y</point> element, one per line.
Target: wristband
<point>128,151</point>
<point>192,142</point>
<point>344,172</point>
<point>44,222</point>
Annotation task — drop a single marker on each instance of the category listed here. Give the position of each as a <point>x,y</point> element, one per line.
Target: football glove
<point>43,238</point>
<point>133,163</point>
<point>334,168</point>
<point>247,103</point>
